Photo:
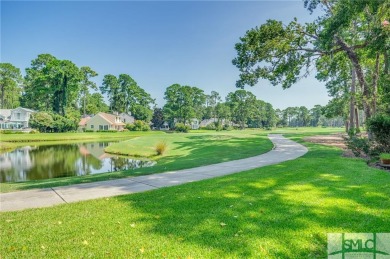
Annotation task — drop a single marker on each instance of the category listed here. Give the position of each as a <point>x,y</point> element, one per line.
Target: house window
<point>105,127</point>
<point>100,127</point>
<point>91,126</point>
<point>18,116</point>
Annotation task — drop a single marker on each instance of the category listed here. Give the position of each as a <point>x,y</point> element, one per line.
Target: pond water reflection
<point>52,161</point>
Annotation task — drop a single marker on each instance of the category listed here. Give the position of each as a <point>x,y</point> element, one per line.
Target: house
<point>206,122</point>
<point>126,118</point>
<point>17,118</point>
<point>105,121</point>
<point>83,123</point>
<point>193,123</point>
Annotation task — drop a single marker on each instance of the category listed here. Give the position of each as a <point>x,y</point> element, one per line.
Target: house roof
<point>25,109</point>
<point>84,121</point>
<point>110,118</point>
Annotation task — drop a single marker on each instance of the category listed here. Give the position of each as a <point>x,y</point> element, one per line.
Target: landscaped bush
<point>180,127</point>
<point>108,131</point>
<point>138,126</point>
<point>379,126</point>
<point>161,147</point>
<point>360,146</point>
<point>34,131</point>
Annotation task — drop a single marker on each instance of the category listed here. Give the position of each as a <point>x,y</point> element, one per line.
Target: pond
<point>52,161</point>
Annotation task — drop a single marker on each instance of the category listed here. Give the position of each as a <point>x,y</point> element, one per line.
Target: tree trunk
<point>352,104</point>
<point>357,120</point>
<point>375,84</point>
<point>360,75</point>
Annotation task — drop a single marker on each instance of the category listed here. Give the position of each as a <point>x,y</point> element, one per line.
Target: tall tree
<point>284,54</point>
<point>10,86</point>
<point>242,105</point>
<point>125,95</point>
<point>95,104</point>
<point>183,103</point>
<point>86,85</point>
<point>110,86</point>
<point>158,118</point>
<point>51,84</point>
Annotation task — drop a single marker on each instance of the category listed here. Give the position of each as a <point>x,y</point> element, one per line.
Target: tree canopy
<point>349,34</point>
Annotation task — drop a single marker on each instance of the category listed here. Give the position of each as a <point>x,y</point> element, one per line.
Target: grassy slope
<point>184,151</point>
<point>279,211</point>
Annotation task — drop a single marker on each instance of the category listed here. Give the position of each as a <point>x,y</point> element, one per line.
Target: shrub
<point>34,131</point>
<point>180,127</point>
<point>360,146</point>
<point>138,126</point>
<point>379,126</point>
<point>161,147</point>
<point>88,130</point>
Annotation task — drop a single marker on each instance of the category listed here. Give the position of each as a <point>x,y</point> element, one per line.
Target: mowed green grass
<point>279,211</point>
<point>185,150</point>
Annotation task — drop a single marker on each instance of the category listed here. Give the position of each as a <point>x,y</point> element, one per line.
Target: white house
<point>15,118</point>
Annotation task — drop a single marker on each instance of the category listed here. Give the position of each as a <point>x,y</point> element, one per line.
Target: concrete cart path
<point>284,149</point>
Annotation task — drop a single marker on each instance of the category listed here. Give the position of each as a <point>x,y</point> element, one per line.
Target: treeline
<point>62,93</point>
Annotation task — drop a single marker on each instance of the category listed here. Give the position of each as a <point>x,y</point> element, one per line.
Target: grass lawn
<point>278,211</point>
<point>185,150</point>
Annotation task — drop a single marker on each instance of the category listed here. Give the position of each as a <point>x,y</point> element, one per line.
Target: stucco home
<point>105,121</point>
<point>17,118</point>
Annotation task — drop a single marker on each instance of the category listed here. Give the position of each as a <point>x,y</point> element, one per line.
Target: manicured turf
<point>279,211</point>
<point>185,150</point>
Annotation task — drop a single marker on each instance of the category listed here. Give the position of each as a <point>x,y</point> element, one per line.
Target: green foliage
<point>52,122</point>
<point>158,118</point>
<point>161,147</point>
<point>183,103</point>
<point>242,106</point>
<point>10,86</point>
<point>181,127</point>
<point>95,104</point>
<point>384,156</point>
<point>125,95</point>
<point>86,86</point>
<point>360,146</point>
<point>379,126</point>
<point>52,85</point>
<point>138,125</point>
<point>347,34</point>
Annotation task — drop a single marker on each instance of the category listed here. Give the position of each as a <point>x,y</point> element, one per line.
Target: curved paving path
<point>284,149</point>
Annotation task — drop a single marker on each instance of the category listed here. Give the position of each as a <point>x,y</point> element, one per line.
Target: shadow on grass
<point>280,211</point>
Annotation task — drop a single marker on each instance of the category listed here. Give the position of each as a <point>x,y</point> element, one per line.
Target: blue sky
<point>158,43</point>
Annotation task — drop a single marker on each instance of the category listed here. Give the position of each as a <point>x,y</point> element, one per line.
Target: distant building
<point>17,118</point>
<point>206,122</point>
<point>193,123</point>
<point>105,121</point>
